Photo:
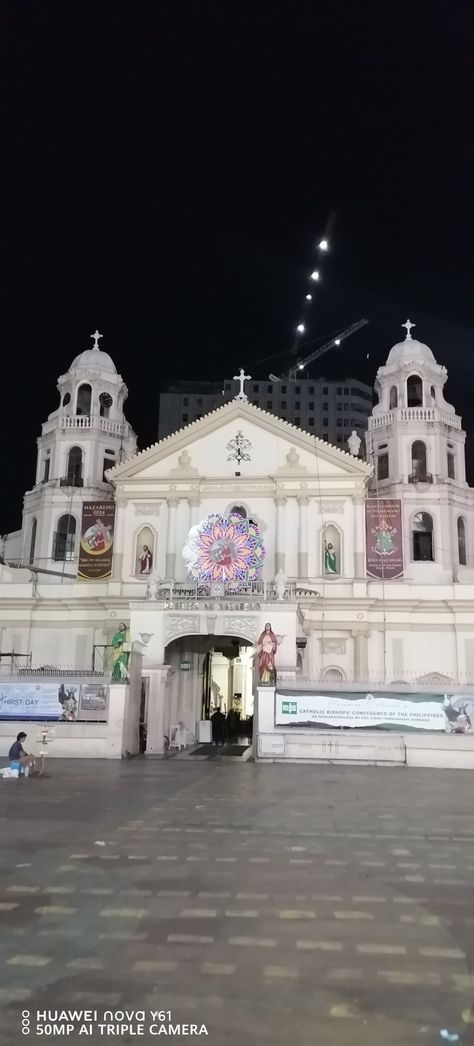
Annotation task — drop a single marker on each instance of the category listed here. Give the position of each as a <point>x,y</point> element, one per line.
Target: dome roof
<point>94,359</point>
<point>410,351</point>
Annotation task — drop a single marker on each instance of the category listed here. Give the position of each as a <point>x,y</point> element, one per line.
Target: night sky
<point>167,170</point>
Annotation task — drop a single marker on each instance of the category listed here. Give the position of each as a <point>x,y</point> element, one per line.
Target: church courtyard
<point>272,904</point>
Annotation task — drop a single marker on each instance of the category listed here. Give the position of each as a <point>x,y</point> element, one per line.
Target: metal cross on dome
<point>241,377</point>
<point>408,326</point>
<point>96,336</point>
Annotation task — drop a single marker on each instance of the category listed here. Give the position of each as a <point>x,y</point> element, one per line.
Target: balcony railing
<point>420,476</point>
<point>74,480</point>
<point>184,595</point>
<point>410,414</point>
<point>86,421</point>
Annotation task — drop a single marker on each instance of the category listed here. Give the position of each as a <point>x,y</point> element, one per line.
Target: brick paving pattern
<point>276,904</point>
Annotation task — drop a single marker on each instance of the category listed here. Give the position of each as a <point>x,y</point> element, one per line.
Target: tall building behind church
<point>328,409</point>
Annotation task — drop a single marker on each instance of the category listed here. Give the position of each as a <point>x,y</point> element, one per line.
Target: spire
<point>96,342</point>
<point>408,326</point>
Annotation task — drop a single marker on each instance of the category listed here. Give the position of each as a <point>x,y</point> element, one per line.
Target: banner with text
<point>383,529</point>
<point>450,713</point>
<point>97,541</point>
<point>63,702</point>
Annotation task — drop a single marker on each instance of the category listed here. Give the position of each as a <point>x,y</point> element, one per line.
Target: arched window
<point>461,542</point>
<point>238,510</point>
<point>34,527</point>
<point>414,391</point>
<point>382,461</point>
<point>65,539</point>
<point>422,537</point>
<point>105,402</point>
<point>418,461</point>
<point>334,675</point>
<point>451,462</point>
<point>433,393</point>
<point>84,399</point>
<point>393,397</point>
<point>74,467</point>
<point>66,399</point>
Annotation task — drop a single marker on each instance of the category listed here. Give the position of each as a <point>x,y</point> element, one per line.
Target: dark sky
<point>167,170</point>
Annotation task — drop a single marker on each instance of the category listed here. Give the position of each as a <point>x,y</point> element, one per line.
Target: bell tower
<point>415,442</point>
<point>86,435</point>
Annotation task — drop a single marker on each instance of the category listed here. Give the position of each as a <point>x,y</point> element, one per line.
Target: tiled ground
<point>284,905</point>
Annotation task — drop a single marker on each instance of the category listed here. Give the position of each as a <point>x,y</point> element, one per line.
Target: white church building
<point>240,526</point>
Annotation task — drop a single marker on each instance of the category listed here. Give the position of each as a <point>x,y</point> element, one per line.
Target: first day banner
<point>97,541</point>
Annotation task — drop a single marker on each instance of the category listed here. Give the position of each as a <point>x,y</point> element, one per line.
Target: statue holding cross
<point>408,325</point>
<point>242,377</point>
<point>96,337</point>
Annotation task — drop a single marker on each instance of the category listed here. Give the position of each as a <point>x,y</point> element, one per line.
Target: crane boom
<point>336,341</point>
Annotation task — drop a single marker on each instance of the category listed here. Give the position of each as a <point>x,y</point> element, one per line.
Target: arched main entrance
<point>211,673</point>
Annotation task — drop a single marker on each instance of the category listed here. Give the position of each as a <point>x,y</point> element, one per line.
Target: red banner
<point>384,546</point>
<point>97,541</point>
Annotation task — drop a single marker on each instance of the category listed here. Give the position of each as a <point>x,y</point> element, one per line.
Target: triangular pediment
<point>210,448</point>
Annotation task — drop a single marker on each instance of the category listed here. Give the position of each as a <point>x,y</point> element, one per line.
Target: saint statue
<point>266,648</point>
<point>146,560</point>
<point>330,560</point>
<point>121,646</point>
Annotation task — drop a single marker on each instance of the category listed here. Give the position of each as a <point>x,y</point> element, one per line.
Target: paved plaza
<point>274,904</point>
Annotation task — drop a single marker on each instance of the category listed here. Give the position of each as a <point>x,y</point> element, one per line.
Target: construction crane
<point>300,365</point>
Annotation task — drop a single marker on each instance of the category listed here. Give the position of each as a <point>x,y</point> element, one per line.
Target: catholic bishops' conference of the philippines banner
<point>97,541</point>
<point>383,530</point>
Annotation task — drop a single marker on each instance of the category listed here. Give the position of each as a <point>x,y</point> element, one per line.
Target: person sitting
<point>19,759</point>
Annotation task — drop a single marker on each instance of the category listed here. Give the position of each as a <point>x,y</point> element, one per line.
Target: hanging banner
<point>97,541</point>
<point>383,530</point>
<point>452,714</point>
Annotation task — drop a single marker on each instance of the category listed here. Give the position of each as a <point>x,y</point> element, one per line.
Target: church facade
<point>241,563</point>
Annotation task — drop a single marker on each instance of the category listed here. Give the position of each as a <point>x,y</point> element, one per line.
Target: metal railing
<point>185,595</point>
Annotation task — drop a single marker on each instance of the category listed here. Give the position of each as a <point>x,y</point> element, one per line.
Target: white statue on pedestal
<point>153,587</point>
<point>280,584</point>
<point>354,443</point>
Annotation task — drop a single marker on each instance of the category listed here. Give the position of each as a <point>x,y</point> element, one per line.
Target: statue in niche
<point>146,560</point>
<point>330,558</point>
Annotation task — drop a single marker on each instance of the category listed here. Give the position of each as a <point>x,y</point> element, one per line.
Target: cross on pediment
<point>241,377</point>
<point>408,325</point>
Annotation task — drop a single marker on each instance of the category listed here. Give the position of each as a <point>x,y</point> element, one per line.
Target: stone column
<point>171,538</point>
<point>280,535</point>
<point>157,700</point>
<point>118,552</point>
<point>361,658</point>
<point>195,505</point>
<point>359,536</point>
<point>303,502</point>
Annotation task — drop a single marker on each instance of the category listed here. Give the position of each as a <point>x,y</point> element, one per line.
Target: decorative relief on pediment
<point>177,625</point>
<point>336,645</point>
<point>241,626</point>
<point>147,509</point>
